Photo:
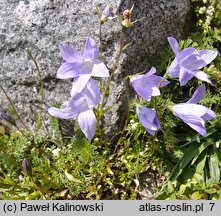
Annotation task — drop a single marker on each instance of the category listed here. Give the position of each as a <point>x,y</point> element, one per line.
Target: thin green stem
<point>101,52</point>
<point>163,79</point>
<point>22,133</point>
<point>100,41</point>
<point>128,112</point>
<point>107,87</point>
<point>38,186</point>
<point>13,109</point>
<point>41,88</point>
<point>165,76</point>
<point>106,90</point>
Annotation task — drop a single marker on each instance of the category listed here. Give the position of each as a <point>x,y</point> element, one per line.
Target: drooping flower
<point>80,66</point>
<point>107,13</point>
<point>188,62</point>
<point>81,107</point>
<point>148,119</point>
<point>7,116</point>
<point>195,114</point>
<point>27,167</point>
<point>146,85</point>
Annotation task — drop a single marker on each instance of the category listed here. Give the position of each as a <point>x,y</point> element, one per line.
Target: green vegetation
<point>139,165</point>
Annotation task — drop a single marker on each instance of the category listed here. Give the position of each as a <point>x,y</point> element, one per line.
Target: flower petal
<point>68,70</point>
<point>141,88</point>
<point>147,85</point>
<point>68,53</point>
<point>189,109</point>
<point>64,113</point>
<point>185,54</point>
<point>185,76</point>
<point>208,55</point>
<point>209,115</point>
<point>91,49</point>
<point>79,83</point>
<point>154,80</point>
<point>148,119</point>
<point>155,91</point>
<point>107,12</point>
<point>174,69</point>
<point>202,76</point>
<point>87,122</point>
<point>100,70</point>
<point>146,115</point>
<point>174,44</point>
<point>196,123</point>
<point>150,72</point>
<point>199,128</point>
<point>92,93</point>
<point>193,62</point>
<point>198,94</point>
<point>134,79</point>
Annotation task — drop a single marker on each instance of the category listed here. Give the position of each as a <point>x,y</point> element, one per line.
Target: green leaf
<point>182,188</point>
<point>193,151</point>
<point>211,191</point>
<point>197,195</point>
<point>110,171</point>
<point>170,187</point>
<point>9,180</point>
<point>201,149</point>
<point>214,169</point>
<point>172,197</point>
<point>71,178</point>
<point>201,163</point>
<point>34,195</point>
<point>106,109</point>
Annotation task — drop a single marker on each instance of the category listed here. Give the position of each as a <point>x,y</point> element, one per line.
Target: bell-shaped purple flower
<point>188,62</point>
<point>146,85</point>
<point>80,66</point>
<point>194,114</point>
<point>81,107</point>
<point>148,119</point>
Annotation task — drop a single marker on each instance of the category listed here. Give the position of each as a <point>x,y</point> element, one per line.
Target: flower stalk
<point>113,70</point>
<point>41,88</point>
<point>13,109</point>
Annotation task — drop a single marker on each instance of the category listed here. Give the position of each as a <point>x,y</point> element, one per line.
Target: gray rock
<point>40,25</point>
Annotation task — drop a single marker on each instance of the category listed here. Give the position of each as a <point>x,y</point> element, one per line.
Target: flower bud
<point>6,116</point>
<point>127,17</point>
<point>27,167</point>
<point>107,12</point>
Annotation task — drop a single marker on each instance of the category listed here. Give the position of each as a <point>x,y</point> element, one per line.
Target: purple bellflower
<point>148,119</point>
<point>146,85</point>
<point>80,66</point>
<point>195,114</point>
<point>188,62</point>
<point>81,107</point>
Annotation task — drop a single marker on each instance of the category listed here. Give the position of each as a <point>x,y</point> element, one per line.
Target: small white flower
<point>131,121</point>
<point>209,18</point>
<point>133,126</point>
<point>202,10</point>
<point>56,151</point>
